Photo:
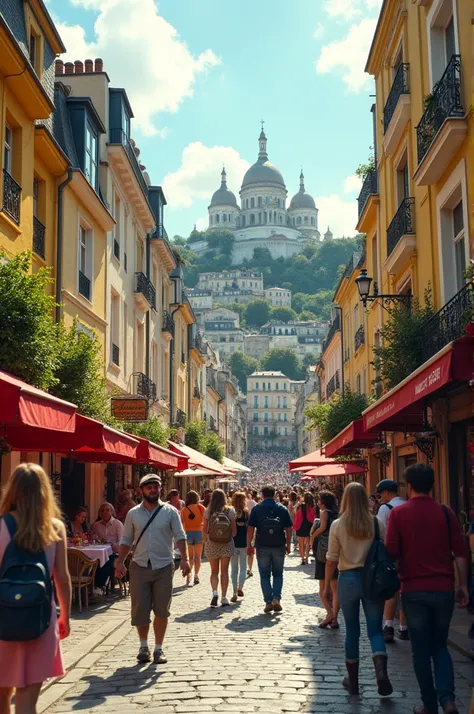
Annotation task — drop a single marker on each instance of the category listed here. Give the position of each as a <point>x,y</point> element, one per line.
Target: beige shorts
<point>150,590</point>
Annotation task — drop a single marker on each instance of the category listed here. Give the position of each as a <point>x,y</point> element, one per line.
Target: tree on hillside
<point>242,365</point>
<point>257,313</point>
<point>220,239</point>
<point>307,316</point>
<point>310,360</point>
<point>180,241</point>
<point>282,314</point>
<point>283,360</point>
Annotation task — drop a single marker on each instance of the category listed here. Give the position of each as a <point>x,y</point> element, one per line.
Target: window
<point>259,200</point>
<point>277,387</point>
<point>403,180</point>
<point>225,217</point>
<point>452,221</point>
<point>375,267</point>
<point>286,431</point>
<point>284,402</point>
<point>117,227</point>
<point>265,430</point>
<point>33,50</point>
<point>265,416</point>
<point>285,417</point>
<point>459,244</point>
<point>35,196</point>
<point>279,415</point>
<point>255,416</point>
<point>285,387</point>
<point>115,328</point>
<point>257,385</point>
<point>217,218</point>
<point>358,384</point>
<point>255,402</point>
<point>264,386</point>
<point>255,430</point>
<point>266,402</point>
<point>252,218</point>
<point>442,34</point>
<point>449,39</point>
<point>298,221</point>
<point>7,149</point>
<point>85,261</point>
<point>91,156</point>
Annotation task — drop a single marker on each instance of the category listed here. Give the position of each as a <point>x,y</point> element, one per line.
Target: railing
<point>400,86</point>
<point>115,354</point>
<point>159,233</point>
<point>145,386</point>
<point>445,102</point>
<point>180,417</point>
<point>143,285</point>
<point>403,223</point>
<point>332,385</point>
<point>118,136</point>
<point>116,249</point>
<point>359,338</point>
<point>335,326</point>
<point>448,324</point>
<point>370,187</point>
<point>168,322</point>
<point>84,286</point>
<point>11,196</point>
<point>39,231</point>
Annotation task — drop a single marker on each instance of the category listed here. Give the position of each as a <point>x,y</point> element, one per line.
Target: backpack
<point>379,578</point>
<point>220,527</point>
<point>270,531</point>
<point>25,591</point>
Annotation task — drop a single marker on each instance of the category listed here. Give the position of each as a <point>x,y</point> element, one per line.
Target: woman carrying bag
<point>320,533</point>
<point>192,516</point>
<point>219,529</point>
<point>305,515</point>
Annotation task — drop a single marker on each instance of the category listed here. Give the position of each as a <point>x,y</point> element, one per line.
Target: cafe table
<point>101,553</point>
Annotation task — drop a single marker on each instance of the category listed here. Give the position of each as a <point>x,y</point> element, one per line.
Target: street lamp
<point>364,282</point>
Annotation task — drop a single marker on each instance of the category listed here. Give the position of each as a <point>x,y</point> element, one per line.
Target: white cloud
<point>202,223</point>
<point>319,31</point>
<point>349,55</point>
<point>346,9</point>
<point>352,183</point>
<point>340,215</point>
<point>141,52</point>
<point>199,174</point>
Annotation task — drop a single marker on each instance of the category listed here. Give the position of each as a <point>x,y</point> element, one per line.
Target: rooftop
<point>268,374</point>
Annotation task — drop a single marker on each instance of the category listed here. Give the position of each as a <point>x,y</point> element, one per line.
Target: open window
<point>442,36</point>
<point>452,207</point>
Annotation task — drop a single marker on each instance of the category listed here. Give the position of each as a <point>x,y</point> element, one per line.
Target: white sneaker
<point>98,592</point>
<point>225,602</point>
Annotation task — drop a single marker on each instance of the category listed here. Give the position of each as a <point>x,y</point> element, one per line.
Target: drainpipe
<point>59,245</point>
<point>171,367</point>
<point>147,316</point>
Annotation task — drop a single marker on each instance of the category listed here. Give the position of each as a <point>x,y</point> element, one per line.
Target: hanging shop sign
<point>129,409</point>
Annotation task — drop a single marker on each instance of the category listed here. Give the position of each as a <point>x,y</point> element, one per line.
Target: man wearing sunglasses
<point>150,532</point>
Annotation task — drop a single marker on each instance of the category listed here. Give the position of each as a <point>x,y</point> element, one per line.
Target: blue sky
<point>201,74</point>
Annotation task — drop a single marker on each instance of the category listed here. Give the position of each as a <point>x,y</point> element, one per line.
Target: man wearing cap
<point>151,528</point>
<point>388,491</point>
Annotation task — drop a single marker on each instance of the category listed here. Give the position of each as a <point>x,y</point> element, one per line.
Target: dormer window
<point>91,156</point>
<point>33,50</point>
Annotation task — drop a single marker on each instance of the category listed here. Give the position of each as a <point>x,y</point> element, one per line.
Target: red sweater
<point>417,536</point>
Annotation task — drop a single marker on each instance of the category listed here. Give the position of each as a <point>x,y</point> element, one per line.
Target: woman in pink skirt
<point>28,496</point>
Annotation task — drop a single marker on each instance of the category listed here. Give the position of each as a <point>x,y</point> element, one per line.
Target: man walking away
<point>388,489</point>
<point>152,528</point>
<point>274,527</point>
<point>425,538</point>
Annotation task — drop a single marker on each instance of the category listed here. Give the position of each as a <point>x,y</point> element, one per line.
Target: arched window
<point>306,220</point>
<point>264,216</point>
<point>211,218</point>
<point>281,219</point>
<point>294,221</point>
<point>243,221</point>
<point>217,218</point>
<point>286,332</point>
<point>224,217</point>
<point>246,203</point>
<point>252,219</point>
<point>298,221</point>
<point>274,216</point>
<point>312,221</point>
<point>260,217</point>
<point>252,203</point>
<point>259,200</point>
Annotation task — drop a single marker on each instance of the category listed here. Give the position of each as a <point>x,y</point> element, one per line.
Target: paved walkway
<point>232,659</point>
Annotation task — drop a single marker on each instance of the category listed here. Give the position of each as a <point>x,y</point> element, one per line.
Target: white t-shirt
<point>250,504</point>
<point>384,511</point>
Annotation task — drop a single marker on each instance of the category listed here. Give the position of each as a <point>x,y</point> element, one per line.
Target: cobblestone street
<point>234,659</point>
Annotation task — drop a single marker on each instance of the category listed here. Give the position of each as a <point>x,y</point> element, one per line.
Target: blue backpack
<point>25,591</point>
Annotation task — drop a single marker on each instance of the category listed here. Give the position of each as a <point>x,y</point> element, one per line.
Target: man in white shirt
<point>389,498</point>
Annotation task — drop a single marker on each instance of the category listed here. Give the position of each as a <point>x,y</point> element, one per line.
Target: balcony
<point>115,355</point>
<point>11,197</point>
<point>84,286</point>
<point>39,231</point>
<point>396,113</point>
<point>144,386</point>
<point>180,417</point>
<point>333,384</point>
<point>370,187</point>
<point>160,243</point>
<point>448,324</point>
<point>401,240</point>
<point>145,294</point>
<point>168,324</point>
<point>335,327</point>
<point>118,137</point>
<point>359,338</point>
<point>442,128</point>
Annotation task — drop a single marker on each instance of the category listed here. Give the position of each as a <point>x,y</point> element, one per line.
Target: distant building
<point>271,403</point>
<point>200,299</point>
<point>307,440</point>
<point>303,337</point>
<point>278,297</point>
<point>237,279</point>
<point>224,334</point>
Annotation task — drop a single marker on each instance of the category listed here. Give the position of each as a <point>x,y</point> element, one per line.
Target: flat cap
<point>150,478</point>
<point>387,485</point>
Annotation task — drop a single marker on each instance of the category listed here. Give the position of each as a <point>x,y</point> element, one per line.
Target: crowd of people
<point>360,559</point>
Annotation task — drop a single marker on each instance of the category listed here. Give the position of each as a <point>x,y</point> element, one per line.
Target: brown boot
<point>384,685</point>
<point>450,708</point>
<point>351,682</point>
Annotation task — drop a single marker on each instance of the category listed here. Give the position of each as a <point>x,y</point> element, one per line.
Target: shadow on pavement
<point>249,624</point>
<point>143,676</point>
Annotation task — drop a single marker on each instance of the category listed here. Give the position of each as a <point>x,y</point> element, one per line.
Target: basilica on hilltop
<point>263,219</point>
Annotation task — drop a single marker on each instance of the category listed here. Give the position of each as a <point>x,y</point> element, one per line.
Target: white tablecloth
<point>94,552</point>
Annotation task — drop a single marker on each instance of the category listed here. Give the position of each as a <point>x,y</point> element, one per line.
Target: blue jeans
<point>270,562</point>
<point>350,596</point>
<point>428,617</point>
<point>238,565</point>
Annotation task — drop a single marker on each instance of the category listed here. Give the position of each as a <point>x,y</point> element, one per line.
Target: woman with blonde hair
<point>238,561</point>
<point>219,530</point>
<point>350,538</point>
<point>31,518</point>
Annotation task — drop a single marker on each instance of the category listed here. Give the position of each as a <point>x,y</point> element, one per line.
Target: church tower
<point>223,209</point>
<point>303,212</point>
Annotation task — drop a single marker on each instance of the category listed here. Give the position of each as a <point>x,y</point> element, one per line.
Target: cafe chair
<point>82,571</point>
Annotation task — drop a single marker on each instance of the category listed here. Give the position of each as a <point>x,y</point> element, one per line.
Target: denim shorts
<point>194,537</point>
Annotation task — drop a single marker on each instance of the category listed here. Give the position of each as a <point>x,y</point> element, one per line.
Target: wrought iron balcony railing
<point>359,338</point>
<point>144,285</point>
<point>180,417</point>
<point>445,102</point>
<point>332,385</point>
<point>84,286</point>
<point>400,86</point>
<point>39,231</point>
<point>448,324</point>
<point>145,387</point>
<point>119,137</point>
<point>159,233</point>
<point>11,196</point>
<point>116,249</point>
<point>403,223</point>
<point>115,354</point>
<point>370,187</point>
<point>168,322</point>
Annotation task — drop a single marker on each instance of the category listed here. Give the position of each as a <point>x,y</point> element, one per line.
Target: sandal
<point>334,624</point>
<point>325,622</point>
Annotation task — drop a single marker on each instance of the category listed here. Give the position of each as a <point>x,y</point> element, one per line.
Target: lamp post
<point>364,282</point>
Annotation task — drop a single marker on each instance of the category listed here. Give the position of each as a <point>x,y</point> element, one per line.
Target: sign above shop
<point>129,408</point>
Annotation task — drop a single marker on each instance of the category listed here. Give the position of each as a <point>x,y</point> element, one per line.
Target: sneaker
<point>234,598</point>
<point>403,635</point>
<point>388,634</point>
<point>276,606</point>
<point>240,592</point>
<point>268,608</point>
<point>249,573</point>
<point>97,592</point>
<point>225,602</point>
<point>196,580</point>
<point>214,601</point>
<point>188,582</point>
<point>159,657</point>
<point>144,654</point>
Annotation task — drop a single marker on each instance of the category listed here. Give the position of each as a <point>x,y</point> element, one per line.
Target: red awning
<point>22,405</point>
<point>315,458</point>
<point>351,438</point>
<point>94,441</point>
<point>333,470</point>
<point>161,458</point>
<point>402,409</point>
<point>200,461</point>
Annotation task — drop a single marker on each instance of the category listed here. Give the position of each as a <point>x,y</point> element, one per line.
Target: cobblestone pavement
<point>232,659</point>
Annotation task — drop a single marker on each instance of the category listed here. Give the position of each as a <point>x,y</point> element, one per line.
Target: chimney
<point>78,67</point>
<point>89,65</point>
<point>69,68</point>
<point>59,66</point>
<point>99,65</point>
